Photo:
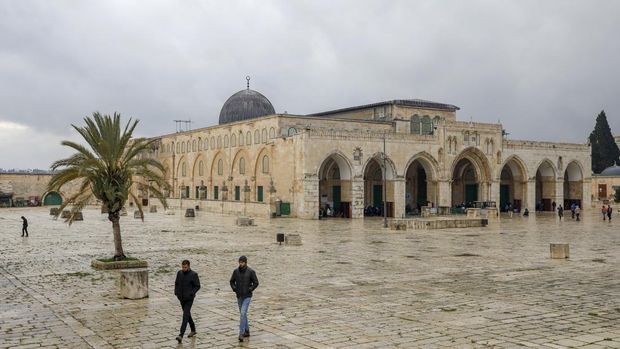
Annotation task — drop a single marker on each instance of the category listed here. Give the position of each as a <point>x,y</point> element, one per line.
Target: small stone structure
<point>398,225</point>
<point>65,214</point>
<point>169,212</point>
<point>473,212</point>
<point>54,211</point>
<point>190,212</point>
<point>292,239</point>
<point>137,214</point>
<point>244,221</point>
<point>78,216</point>
<point>153,209</point>
<point>134,283</point>
<point>559,251</point>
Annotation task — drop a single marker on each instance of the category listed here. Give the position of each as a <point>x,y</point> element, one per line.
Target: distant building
<point>29,189</point>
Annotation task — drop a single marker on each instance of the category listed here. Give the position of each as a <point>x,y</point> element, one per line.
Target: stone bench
<point>398,225</point>
<point>134,283</point>
<point>153,209</point>
<point>190,212</point>
<point>137,214</point>
<point>54,211</point>
<point>65,214</point>
<point>244,221</point>
<point>169,212</point>
<point>473,213</point>
<point>292,239</point>
<point>559,251</point>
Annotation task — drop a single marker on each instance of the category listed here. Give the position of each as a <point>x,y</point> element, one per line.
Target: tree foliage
<point>605,151</point>
<point>107,168</point>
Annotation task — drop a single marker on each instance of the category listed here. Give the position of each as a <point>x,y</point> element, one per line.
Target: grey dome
<point>244,105</point>
<point>611,171</point>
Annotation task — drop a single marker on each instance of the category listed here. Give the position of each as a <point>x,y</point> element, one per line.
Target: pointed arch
<point>344,164</point>
<point>196,166</point>
<point>431,166</point>
<point>391,172</point>
<point>477,158</point>
<point>181,161</point>
<point>517,165</point>
<point>241,153</point>
<point>548,168</point>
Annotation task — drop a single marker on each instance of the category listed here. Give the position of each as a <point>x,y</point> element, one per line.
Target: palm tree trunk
<point>116,231</point>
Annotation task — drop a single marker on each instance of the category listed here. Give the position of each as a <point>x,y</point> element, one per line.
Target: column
<point>399,197</point>
<point>357,198</point>
<point>310,205</point>
<point>559,192</point>
<point>445,192</point>
<point>530,200</point>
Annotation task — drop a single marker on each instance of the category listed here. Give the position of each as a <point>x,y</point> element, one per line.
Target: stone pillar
<point>494,191</point>
<point>399,197</point>
<point>559,192</point>
<point>134,283</point>
<point>310,205</point>
<point>530,200</point>
<point>587,193</point>
<point>445,192</point>
<point>357,198</point>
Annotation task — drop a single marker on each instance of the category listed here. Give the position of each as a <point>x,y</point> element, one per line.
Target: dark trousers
<point>187,316</point>
<point>24,231</point>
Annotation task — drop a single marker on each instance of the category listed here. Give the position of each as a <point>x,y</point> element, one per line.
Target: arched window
<point>219,142</point>
<point>264,136</point>
<point>178,148</point>
<point>194,145</point>
<point>241,138</point>
<point>212,142</point>
<point>225,141</point>
<point>292,131</point>
<point>242,166</point>
<point>248,138</point>
<point>183,147</point>
<point>199,144</point>
<point>427,127</point>
<point>415,125</point>
<point>220,167</point>
<point>265,164</point>
<point>436,121</point>
<point>272,133</point>
<point>256,137</point>
<point>233,140</point>
<point>168,148</point>
<point>189,146</point>
<point>201,169</point>
<point>184,169</point>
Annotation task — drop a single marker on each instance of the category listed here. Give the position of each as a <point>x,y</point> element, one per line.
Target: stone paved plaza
<point>351,285</point>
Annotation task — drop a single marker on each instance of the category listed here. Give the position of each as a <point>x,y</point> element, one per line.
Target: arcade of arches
<point>342,193</point>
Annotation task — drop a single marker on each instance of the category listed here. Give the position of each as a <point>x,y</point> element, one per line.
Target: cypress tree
<point>605,151</point>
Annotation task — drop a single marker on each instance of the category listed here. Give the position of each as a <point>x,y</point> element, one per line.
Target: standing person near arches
<point>609,211</point>
<point>577,211</point>
<point>560,212</point>
<point>604,212</point>
<point>24,226</point>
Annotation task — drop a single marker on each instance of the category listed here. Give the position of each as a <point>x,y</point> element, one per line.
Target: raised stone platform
<point>438,223</point>
<point>134,263</point>
<point>134,283</point>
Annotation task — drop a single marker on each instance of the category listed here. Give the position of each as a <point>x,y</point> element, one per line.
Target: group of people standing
<point>243,282</point>
<point>575,211</point>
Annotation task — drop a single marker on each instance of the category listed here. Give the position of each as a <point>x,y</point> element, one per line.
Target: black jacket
<point>186,285</point>
<point>243,282</point>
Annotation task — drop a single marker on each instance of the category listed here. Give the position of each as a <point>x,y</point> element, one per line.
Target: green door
<point>259,193</point>
<point>504,195</point>
<point>216,192</point>
<point>52,198</point>
<point>285,208</point>
<point>471,192</point>
<point>377,195</point>
<point>336,195</point>
<point>237,193</point>
<point>422,195</point>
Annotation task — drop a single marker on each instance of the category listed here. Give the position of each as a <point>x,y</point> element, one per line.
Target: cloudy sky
<point>543,68</point>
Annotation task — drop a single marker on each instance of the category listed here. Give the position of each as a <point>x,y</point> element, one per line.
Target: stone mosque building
<point>259,162</point>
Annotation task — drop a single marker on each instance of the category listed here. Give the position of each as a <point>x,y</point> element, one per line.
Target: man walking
<point>560,212</point>
<point>24,226</point>
<point>609,211</point>
<point>243,281</point>
<point>185,287</point>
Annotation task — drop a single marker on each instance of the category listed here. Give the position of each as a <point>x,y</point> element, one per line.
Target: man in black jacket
<point>185,287</point>
<point>243,281</point>
<point>24,226</point>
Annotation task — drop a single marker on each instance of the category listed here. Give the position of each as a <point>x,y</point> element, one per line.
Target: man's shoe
<point>179,339</point>
<point>191,334</point>
<point>246,333</point>
<point>240,338</point>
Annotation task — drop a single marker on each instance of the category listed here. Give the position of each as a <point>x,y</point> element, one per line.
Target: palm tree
<point>108,170</point>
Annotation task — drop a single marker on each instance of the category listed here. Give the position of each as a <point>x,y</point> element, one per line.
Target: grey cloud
<point>545,69</point>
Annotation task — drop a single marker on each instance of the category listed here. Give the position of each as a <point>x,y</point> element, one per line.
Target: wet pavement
<point>351,284</point>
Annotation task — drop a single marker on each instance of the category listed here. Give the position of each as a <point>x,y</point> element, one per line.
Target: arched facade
<point>335,190</point>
